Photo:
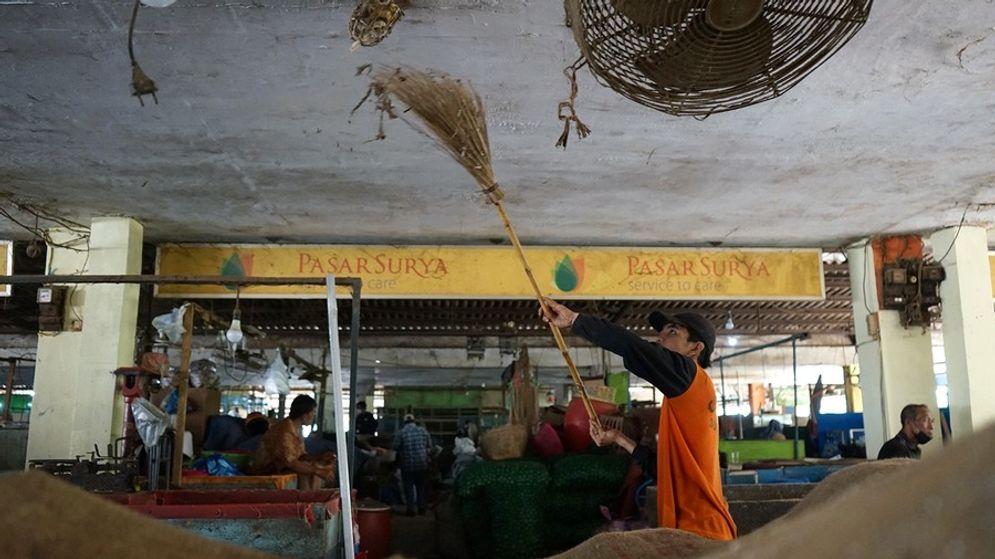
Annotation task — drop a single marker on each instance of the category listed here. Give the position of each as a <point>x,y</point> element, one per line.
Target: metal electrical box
<point>912,287</point>
<point>52,308</point>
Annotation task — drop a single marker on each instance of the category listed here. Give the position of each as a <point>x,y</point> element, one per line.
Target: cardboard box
<point>201,403</point>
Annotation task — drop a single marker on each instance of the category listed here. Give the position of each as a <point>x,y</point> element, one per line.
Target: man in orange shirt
<point>689,487</point>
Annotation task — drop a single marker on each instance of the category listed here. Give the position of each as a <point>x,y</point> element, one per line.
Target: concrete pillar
<point>896,364</point>
<point>968,326</point>
<point>76,403</point>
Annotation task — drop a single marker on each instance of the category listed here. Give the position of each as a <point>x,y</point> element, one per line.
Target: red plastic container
<point>547,442</point>
<point>577,424</point>
<point>373,519</point>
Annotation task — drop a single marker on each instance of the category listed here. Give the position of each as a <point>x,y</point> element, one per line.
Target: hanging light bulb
<point>234,333</point>
<point>729,325</point>
<point>733,341</point>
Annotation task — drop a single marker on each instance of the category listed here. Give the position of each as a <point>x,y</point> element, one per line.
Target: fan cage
<point>804,34</point>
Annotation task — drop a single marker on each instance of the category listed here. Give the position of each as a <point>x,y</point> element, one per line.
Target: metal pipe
<point>345,480</point>
<point>722,380</point>
<point>794,361</point>
<point>28,279</point>
<point>9,394</point>
<point>802,336</point>
<point>794,380</point>
<point>739,404</point>
<point>353,370</point>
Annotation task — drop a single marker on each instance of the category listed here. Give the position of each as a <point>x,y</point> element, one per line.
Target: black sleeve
<point>646,458</point>
<point>893,449</point>
<point>669,372</point>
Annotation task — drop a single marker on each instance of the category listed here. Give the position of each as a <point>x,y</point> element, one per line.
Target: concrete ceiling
<point>252,139</point>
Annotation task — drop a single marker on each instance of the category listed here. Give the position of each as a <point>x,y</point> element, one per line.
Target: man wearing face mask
<point>689,488</point>
<point>917,429</point>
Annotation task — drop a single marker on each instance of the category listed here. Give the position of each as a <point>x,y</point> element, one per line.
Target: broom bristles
<point>449,109</point>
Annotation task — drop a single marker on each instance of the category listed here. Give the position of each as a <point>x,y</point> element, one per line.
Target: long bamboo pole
<point>182,381</point>
<point>557,335</point>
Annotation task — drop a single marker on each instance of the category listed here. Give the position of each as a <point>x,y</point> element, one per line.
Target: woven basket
<point>505,443</point>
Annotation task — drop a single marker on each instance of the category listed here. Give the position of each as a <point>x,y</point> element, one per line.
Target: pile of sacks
<point>939,507</point>
<point>46,517</point>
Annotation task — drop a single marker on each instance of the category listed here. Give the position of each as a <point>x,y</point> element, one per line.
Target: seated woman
<point>281,449</point>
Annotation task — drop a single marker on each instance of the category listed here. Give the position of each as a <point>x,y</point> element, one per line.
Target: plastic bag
<point>218,465</point>
<point>215,465</point>
<point>204,372</point>
<point>172,403</point>
<point>171,324</point>
<point>277,377</point>
<point>150,421</point>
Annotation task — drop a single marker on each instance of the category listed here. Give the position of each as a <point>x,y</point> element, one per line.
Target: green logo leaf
<point>567,276</point>
<point>232,268</point>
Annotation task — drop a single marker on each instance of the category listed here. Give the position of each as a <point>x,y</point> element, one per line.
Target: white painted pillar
<point>57,366</point>
<point>968,326</point>
<point>76,401</point>
<point>896,364</point>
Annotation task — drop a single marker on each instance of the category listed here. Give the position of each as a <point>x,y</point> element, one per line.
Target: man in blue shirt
<point>413,443</point>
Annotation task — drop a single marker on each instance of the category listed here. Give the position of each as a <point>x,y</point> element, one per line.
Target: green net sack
<point>574,472</point>
<point>575,506</point>
<point>514,473</point>
<point>518,524</point>
<point>476,518</point>
<point>513,493</point>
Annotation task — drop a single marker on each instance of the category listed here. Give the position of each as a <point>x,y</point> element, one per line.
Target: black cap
<point>702,328</point>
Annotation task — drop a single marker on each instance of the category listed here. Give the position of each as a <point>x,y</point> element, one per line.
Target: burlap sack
<point>45,517</point>
<point>642,544</point>
<point>938,507</point>
<point>851,478</point>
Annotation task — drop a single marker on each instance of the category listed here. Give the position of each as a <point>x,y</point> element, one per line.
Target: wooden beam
<point>182,382</point>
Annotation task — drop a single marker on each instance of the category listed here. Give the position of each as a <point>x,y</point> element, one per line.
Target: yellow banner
<point>495,272</point>
<point>6,264</point>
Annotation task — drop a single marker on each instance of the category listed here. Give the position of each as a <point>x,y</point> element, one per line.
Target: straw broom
<point>454,114</point>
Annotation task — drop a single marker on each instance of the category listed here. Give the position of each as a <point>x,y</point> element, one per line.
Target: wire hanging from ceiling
<point>43,213</point>
<point>141,84</point>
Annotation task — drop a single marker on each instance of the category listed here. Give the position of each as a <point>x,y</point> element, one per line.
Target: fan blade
<point>702,57</point>
<point>657,13</point>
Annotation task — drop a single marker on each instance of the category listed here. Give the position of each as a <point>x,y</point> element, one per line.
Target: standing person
<point>366,424</point>
<point>281,448</point>
<point>689,488</point>
<point>413,443</point>
<point>917,429</point>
